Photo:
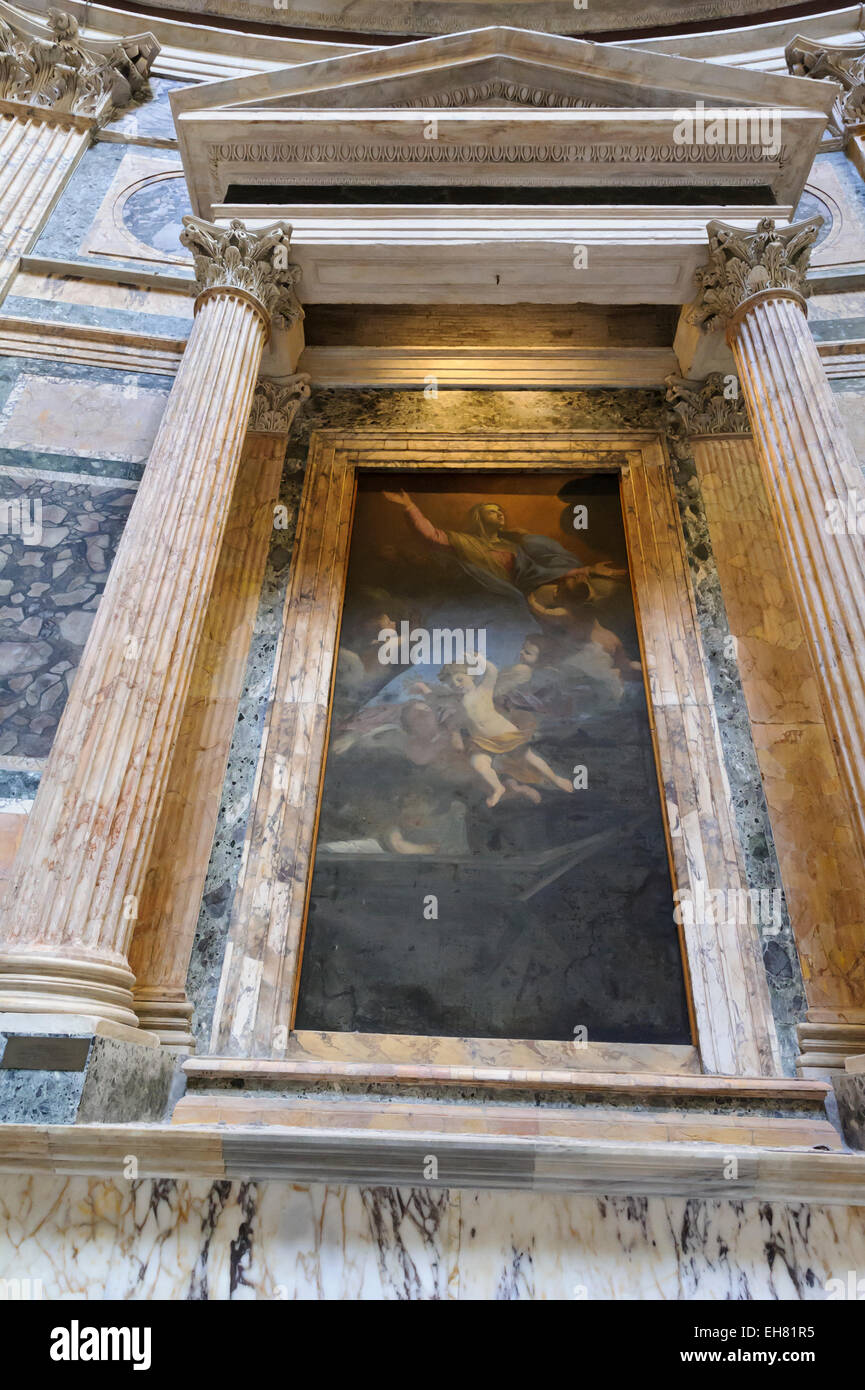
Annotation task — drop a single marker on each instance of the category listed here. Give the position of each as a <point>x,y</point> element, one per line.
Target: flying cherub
<point>495,743</point>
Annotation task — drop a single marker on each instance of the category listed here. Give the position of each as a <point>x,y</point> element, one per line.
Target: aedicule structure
<point>310,342</point>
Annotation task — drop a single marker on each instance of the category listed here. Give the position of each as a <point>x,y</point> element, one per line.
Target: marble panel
<point>140,216</point>
<point>67,225</point>
<point>126,386</point>
<point>118,320</point>
<point>850,1091</point>
<point>32,288</point>
<point>51,578</point>
<point>55,415</point>
<point>112,1238</point>
<point>836,191</point>
<point>18,784</point>
<point>837,317</point>
<point>99,183</point>
<point>850,396</point>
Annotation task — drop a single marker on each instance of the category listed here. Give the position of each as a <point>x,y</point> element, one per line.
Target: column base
<point>825,1047</point>
<point>168,1014</point>
<point>45,984</point>
<point>65,1069</point>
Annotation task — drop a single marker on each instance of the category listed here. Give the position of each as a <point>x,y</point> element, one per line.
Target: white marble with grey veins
<point>101,1238</point>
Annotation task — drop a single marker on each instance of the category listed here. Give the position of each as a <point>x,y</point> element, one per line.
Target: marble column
<point>54,92</point>
<point>174,882</point>
<point>755,285</point>
<point>74,896</point>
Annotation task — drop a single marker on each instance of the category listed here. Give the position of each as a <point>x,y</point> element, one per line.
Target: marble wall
<point>73,444</point>
<point>86,1238</point>
<point>77,438</point>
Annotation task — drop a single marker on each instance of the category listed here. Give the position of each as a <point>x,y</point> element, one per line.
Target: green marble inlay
<point>92,316</point>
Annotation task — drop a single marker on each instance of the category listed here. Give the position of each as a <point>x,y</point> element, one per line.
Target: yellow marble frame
<point>732,1021</point>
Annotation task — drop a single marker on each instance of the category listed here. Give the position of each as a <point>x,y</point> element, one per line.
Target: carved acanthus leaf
<point>276,403</point>
<point>841,63</point>
<point>712,406</point>
<point>257,262</point>
<point>741,264</point>
<point>68,76</point>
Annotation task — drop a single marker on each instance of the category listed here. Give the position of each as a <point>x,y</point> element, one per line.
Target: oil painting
<point>491,859</point>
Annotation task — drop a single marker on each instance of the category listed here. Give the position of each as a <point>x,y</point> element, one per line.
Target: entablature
<point>506,255</point>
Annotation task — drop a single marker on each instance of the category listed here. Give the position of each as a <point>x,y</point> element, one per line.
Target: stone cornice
<point>405,18</point>
<point>706,407</point>
<point>54,70</point>
<point>276,403</point>
<point>841,63</point>
<point>744,264</point>
<point>257,263</point>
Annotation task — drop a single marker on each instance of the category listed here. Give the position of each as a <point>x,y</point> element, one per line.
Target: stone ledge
<point>277,1072</point>
<point>379,1158</point>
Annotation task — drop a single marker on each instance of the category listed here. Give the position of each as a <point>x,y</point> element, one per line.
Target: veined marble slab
<point>95,1238</point>
<point>57,416</point>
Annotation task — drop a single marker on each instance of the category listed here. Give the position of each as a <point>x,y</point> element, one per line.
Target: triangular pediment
<point>505,67</point>
<point>513,108</point>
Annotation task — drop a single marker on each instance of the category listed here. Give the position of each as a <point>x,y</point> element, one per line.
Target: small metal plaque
<point>24,1053</point>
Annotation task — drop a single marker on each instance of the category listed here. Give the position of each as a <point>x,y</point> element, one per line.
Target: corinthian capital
<point>713,406</point>
<point>833,62</point>
<point>276,403</point>
<point>742,264</point>
<point>48,65</point>
<point>258,262</point>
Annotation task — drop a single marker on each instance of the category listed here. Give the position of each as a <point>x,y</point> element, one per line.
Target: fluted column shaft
<point>73,899</point>
<point>38,152</point>
<point>174,882</point>
<point>755,284</point>
<point>811,471</point>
